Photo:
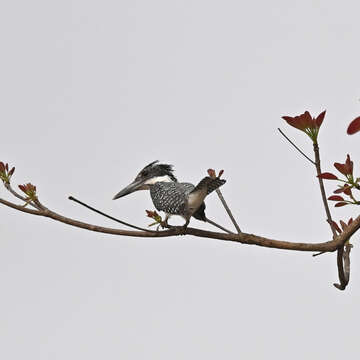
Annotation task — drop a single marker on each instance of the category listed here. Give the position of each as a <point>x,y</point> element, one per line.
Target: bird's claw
<point>181,229</point>
<point>164,224</point>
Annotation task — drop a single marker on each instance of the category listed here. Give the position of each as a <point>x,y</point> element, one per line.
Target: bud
<point>5,174</point>
<point>30,190</point>
<point>211,173</point>
<point>154,215</point>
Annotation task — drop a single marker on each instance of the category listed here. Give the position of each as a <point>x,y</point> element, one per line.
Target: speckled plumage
<point>171,197</point>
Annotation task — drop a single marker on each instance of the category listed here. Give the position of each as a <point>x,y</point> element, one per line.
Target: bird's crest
<point>158,169</point>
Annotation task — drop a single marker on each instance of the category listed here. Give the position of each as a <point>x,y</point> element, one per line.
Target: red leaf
<point>2,167</point>
<point>341,168</point>
<point>341,204</point>
<point>320,118</point>
<point>220,173</point>
<point>350,221</point>
<point>307,118</point>
<point>327,176</point>
<point>349,164</point>
<point>354,126</point>
<point>149,213</point>
<point>346,168</point>
<point>335,198</point>
<point>11,171</point>
<point>300,122</point>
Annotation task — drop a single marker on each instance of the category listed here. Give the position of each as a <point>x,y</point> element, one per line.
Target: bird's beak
<point>134,186</point>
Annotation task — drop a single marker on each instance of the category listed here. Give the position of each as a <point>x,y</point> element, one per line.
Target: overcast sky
<point>92,91</point>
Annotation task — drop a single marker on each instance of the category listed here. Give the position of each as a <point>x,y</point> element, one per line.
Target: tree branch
<point>346,258</point>
<point>212,173</point>
<point>341,274</point>
<point>109,216</point>
<point>17,195</point>
<point>221,197</point>
<point>242,238</point>
<point>322,188</point>
<point>343,263</point>
<point>218,226</point>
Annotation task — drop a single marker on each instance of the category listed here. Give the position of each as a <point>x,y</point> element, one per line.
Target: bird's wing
<point>188,187</point>
<point>170,197</point>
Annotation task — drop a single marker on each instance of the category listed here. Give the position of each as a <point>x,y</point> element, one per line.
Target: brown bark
<point>243,238</point>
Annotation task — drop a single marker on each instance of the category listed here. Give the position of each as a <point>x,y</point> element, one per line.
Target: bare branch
<point>212,173</point>
<point>108,216</point>
<point>221,197</point>
<point>322,188</point>
<point>343,263</point>
<point>346,258</point>
<point>21,208</point>
<point>50,214</point>
<point>242,238</point>
<point>296,147</point>
<point>218,226</point>
<point>343,282</point>
<point>319,253</point>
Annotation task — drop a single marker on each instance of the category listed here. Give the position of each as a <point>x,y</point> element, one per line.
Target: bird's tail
<point>209,183</point>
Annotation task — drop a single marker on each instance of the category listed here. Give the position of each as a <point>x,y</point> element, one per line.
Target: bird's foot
<point>183,229</point>
<point>164,224</point>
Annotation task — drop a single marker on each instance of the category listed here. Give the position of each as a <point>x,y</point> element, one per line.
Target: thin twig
<point>320,253</point>
<point>221,197</point>
<point>296,147</point>
<point>322,188</point>
<point>109,216</point>
<point>218,226</point>
<point>212,174</point>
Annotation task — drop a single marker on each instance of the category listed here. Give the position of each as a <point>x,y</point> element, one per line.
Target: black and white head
<point>149,175</point>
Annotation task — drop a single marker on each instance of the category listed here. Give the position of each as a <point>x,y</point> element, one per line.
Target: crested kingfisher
<point>171,196</point>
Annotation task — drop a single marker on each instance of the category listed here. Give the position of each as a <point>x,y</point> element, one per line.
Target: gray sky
<point>90,93</point>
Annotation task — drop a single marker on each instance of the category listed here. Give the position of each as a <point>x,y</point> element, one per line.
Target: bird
<point>171,196</point>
